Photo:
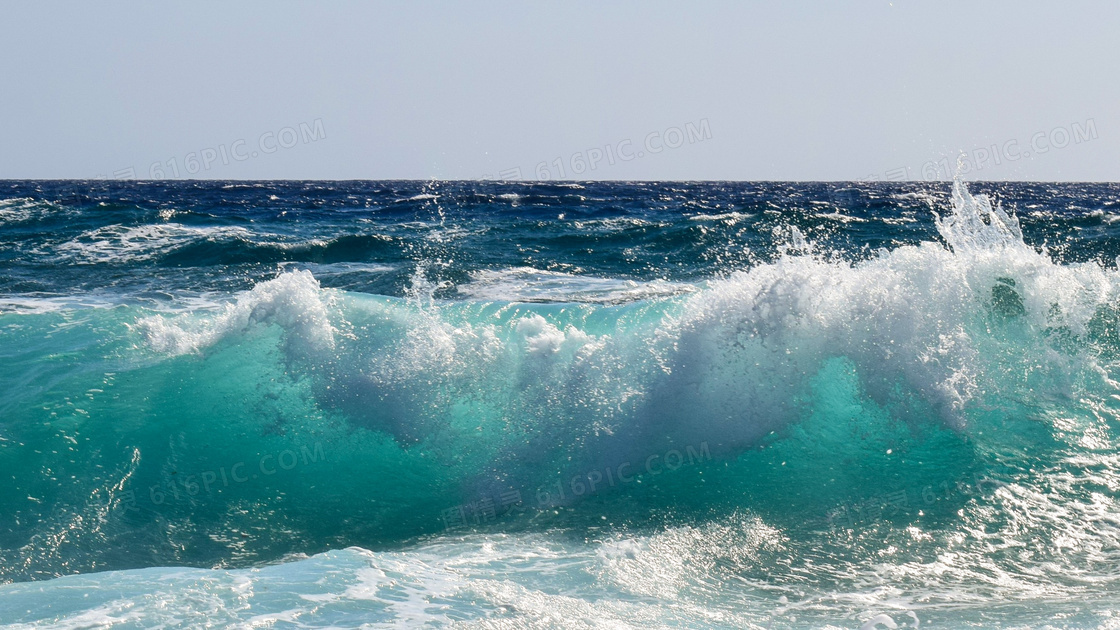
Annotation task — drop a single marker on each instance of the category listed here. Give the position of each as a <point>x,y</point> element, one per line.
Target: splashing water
<point>821,438</point>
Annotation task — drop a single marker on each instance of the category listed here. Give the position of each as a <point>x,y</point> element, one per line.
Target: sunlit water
<point>310,405</point>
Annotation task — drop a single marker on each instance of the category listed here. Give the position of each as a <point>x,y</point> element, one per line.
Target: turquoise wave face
<point>921,429</point>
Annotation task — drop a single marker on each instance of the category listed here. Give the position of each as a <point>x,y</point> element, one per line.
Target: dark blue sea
<point>559,405</point>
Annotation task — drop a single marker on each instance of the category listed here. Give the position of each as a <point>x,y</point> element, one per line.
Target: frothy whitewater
<point>313,405</point>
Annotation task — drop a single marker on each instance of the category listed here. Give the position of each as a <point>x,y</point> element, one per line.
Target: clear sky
<point>603,90</point>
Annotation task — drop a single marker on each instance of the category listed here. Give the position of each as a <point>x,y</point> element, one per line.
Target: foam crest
<point>918,316</point>
<point>17,210</point>
<point>293,301</point>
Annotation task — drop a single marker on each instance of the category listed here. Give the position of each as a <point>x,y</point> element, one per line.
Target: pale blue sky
<point>773,90</point>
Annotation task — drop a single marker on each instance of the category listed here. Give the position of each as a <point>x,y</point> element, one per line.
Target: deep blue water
<point>677,404</point>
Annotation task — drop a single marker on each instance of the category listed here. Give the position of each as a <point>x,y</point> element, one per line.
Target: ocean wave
<point>119,243</point>
<point>969,384</point>
<point>22,209</point>
<point>181,245</point>
<point>724,365</point>
<point>17,209</point>
<point>293,301</point>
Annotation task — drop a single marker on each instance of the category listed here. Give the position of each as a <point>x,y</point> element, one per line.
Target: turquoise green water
<point>923,434</point>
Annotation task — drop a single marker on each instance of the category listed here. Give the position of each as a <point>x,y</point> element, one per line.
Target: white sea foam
<point>118,243</point>
<point>720,573</point>
<point>499,581</point>
<point>839,216</point>
<point>16,210</point>
<point>898,220</point>
<point>729,217</point>
<point>526,284</point>
<point>929,198</point>
<point>20,209</point>
<point>37,305</point>
<point>614,223</point>
<point>322,270</point>
<point>293,301</point>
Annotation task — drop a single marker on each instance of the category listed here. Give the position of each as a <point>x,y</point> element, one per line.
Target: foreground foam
<point>707,575</point>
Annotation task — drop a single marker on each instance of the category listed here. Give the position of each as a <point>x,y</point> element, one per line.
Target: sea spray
<point>922,425</point>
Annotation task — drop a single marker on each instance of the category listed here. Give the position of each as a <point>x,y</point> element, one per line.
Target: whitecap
<point>526,284</point>
<point>118,243</point>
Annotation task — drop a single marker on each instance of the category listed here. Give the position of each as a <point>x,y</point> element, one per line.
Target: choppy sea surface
<point>559,405</point>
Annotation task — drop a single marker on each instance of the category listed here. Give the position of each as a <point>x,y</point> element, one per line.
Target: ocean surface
<point>559,405</point>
